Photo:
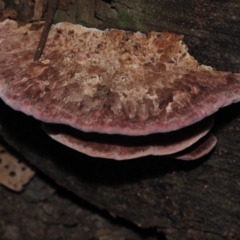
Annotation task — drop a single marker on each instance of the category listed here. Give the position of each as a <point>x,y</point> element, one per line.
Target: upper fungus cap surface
<point>111,81</point>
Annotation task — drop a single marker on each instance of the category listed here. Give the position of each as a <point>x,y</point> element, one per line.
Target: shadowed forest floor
<point>45,211</point>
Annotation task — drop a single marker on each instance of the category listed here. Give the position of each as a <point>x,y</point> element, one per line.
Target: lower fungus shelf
<point>121,147</point>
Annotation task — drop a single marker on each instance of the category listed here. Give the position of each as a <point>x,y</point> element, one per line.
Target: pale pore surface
<point>121,147</point>
<point>109,81</point>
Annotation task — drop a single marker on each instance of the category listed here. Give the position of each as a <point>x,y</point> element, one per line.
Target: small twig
<point>52,7</point>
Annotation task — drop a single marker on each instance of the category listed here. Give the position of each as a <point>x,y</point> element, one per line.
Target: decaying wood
<point>186,200</point>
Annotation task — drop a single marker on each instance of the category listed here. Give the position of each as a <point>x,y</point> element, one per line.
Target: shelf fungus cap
<point>112,81</point>
<point>123,147</point>
<point>197,150</point>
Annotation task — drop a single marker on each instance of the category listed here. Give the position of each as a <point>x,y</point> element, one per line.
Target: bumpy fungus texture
<point>13,174</point>
<point>112,82</point>
<point>121,147</point>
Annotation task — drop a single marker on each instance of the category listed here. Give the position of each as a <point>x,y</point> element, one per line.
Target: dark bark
<point>51,213</point>
<point>186,200</point>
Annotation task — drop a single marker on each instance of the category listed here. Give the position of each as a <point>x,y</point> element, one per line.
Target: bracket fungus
<point>120,94</point>
<point>120,147</point>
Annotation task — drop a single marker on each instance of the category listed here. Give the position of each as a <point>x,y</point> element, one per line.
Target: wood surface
<point>185,200</point>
